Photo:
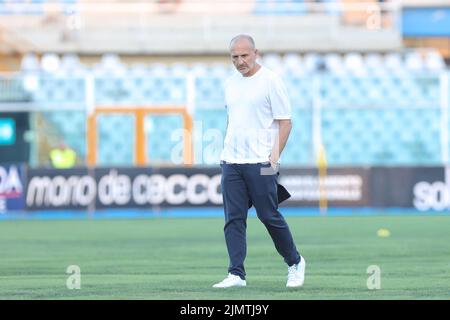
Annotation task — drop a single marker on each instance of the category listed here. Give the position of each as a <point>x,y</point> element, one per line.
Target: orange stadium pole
<point>140,147</point>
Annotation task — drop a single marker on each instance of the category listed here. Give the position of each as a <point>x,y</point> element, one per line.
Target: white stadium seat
<point>334,63</point>
<point>394,63</point>
<point>414,61</point>
<point>354,62</point>
<point>434,61</point>
<point>292,62</point>
<point>312,61</point>
<point>30,62</point>
<point>273,61</point>
<point>50,63</point>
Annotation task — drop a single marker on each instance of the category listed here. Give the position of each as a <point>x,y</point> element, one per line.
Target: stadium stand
<point>378,107</point>
<point>390,102</point>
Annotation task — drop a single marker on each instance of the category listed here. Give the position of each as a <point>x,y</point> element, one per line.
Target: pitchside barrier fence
<point>24,189</point>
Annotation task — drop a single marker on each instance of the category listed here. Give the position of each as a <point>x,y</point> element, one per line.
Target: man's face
<point>243,56</point>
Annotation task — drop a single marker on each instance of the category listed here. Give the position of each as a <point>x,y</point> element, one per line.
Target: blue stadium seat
<point>210,128</point>
<point>11,8</point>
<point>280,7</point>
<point>116,139</point>
<point>382,119</point>
<point>384,136</point>
<point>209,92</point>
<point>109,90</point>
<point>300,90</point>
<point>299,149</point>
<point>164,137</point>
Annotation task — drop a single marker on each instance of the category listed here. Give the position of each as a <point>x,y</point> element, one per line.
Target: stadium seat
<point>110,64</point>
<point>220,70</point>
<point>159,70</point>
<point>332,7</point>
<point>434,61</point>
<point>29,62</point>
<point>70,65</point>
<point>116,139</point>
<point>280,7</point>
<point>274,62</point>
<point>375,64</point>
<point>179,69</point>
<point>163,134</point>
<point>373,61</point>
<point>334,63</point>
<point>414,62</point>
<point>300,90</point>
<point>394,63</point>
<point>313,61</point>
<point>139,70</point>
<point>298,150</point>
<point>199,69</point>
<point>292,64</point>
<point>50,63</point>
<point>355,64</point>
<point>393,110</point>
<point>208,92</point>
<point>210,128</point>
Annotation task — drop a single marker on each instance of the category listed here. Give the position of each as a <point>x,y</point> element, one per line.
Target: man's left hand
<point>273,162</point>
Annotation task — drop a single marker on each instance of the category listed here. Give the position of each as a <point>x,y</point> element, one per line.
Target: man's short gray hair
<point>242,36</point>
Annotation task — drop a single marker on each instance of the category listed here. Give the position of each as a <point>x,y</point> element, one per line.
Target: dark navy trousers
<point>241,183</point>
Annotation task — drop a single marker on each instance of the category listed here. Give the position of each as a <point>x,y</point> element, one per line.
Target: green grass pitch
<point>162,258</point>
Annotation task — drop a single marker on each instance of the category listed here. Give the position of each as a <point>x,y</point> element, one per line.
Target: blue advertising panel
<point>426,22</point>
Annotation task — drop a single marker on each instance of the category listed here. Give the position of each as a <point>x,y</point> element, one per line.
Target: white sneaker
<point>296,274</point>
<point>231,281</point>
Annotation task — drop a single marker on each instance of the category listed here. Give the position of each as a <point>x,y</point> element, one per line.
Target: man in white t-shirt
<point>259,123</point>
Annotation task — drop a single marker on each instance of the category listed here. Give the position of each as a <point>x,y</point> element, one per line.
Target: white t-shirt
<point>253,104</point>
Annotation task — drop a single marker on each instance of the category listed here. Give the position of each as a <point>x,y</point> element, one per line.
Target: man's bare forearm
<point>284,130</point>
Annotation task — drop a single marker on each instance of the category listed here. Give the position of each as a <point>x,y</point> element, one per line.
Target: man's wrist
<point>273,160</point>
